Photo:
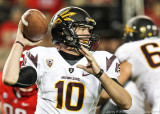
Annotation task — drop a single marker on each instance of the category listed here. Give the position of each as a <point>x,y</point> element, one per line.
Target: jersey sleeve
<point>109,63</point>
<point>31,58</point>
<point>123,53</point>
<point>114,70</point>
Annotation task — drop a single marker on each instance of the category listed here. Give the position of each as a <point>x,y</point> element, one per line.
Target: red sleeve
<point>1,83</point>
<point>3,87</point>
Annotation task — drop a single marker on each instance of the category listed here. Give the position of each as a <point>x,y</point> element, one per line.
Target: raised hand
<point>92,66</point>
<point>22,39</point>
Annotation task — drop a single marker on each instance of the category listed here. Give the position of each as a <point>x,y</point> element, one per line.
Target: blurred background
<point>110,15</point>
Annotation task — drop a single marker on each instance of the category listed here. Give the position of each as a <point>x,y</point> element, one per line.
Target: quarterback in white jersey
<point>70,77</point>
<point>80,90</point>
<point>140,59</point>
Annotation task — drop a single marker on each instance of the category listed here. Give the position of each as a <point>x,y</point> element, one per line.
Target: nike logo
<point>85,74</point>
<point>25,104</point>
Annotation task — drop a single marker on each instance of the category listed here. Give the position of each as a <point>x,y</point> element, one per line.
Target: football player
<point>16,100</point>
<point>69,79</point>
<point>140,61</point>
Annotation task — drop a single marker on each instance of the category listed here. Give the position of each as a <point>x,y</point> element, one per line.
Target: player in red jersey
<point>17,100</point>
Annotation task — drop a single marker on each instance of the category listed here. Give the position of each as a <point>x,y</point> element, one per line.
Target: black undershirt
<point>71,59</point>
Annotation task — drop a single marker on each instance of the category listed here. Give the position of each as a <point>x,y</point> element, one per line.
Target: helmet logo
<point>65,15</point>
<point>128,29</point>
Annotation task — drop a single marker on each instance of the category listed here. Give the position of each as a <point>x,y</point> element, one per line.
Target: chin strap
<point>77,50</point>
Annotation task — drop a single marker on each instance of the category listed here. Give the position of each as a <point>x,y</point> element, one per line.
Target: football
<point>34,25</point>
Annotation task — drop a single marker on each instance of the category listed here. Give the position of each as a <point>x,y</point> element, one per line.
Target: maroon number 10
<point>68,96</point>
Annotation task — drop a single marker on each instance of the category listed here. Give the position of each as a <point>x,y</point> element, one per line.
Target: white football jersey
<point>64,88</point>
<point>144,56</point>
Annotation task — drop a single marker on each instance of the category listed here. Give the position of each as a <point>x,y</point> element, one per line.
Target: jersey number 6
<point>152,54</point>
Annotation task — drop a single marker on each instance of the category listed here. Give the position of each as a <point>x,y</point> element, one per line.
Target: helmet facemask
<point>89,41</point>
<point>65,32</point>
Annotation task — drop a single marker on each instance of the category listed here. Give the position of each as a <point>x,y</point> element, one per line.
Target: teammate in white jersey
<point>70,78</point>
<point>140,61</point>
